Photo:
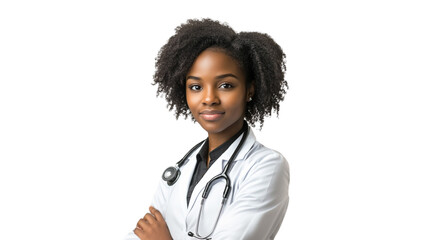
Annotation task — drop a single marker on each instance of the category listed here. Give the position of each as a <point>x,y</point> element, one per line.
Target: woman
<point>225,81</point>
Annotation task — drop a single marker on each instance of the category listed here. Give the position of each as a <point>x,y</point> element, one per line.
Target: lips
<point>211,115</point>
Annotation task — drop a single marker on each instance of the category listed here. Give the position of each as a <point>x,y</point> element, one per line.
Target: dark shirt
<point>201,167</point>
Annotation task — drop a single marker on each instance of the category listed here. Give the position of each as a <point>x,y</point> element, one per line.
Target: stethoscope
<point>171,175</point>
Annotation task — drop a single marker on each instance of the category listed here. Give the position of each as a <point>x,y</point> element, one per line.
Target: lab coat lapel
<point>215,169</point>
<point>250,141</point>
<point>220,163</point>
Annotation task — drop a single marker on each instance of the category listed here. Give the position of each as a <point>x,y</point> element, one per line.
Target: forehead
<point>214,61</point>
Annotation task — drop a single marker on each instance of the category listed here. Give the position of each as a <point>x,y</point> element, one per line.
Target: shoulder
<point>261,159</point>
<point>263,172</point>
<point>260,154</point>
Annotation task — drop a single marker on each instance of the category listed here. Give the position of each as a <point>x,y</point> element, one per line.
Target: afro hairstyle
<point>262,60</point>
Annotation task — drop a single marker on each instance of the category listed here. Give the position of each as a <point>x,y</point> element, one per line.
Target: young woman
<point>229,186</point>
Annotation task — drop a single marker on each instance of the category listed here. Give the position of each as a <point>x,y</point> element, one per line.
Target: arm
<point>260,203</point>
<point>153,222</point>
<point>152,227</point>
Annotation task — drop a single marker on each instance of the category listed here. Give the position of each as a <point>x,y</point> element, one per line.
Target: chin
<point>211,128</point>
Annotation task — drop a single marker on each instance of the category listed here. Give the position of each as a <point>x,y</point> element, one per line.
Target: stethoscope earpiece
<point>171,175</point>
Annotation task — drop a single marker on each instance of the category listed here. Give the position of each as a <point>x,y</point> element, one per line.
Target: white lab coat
<point>255,207</point>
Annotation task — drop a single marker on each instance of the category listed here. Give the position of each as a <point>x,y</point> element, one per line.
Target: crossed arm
<point>152,226</point>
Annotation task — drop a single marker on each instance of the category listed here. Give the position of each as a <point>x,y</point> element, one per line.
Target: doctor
<point>225,80</point>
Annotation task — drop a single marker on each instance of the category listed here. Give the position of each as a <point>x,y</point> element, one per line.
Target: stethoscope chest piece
<point>171,175</point>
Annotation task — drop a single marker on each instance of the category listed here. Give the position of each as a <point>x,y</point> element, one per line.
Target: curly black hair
<point>262,60</point>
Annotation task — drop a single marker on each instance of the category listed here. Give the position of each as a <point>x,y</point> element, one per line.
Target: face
<point>216,92</point>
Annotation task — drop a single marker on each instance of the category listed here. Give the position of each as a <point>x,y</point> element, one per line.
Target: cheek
<point>191,100</point>
<point>236,103</point>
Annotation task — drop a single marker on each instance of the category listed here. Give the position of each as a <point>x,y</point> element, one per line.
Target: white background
<point>84,140</point>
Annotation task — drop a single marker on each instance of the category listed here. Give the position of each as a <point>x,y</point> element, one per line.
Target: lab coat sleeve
<point>131,236</point>
<point>260,203</point>
<point>161,196</point>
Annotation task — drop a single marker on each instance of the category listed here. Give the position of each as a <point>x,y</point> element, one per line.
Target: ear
<point>250,91</point>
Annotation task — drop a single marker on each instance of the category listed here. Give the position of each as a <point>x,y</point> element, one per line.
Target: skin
<point>217,95</point>
<point>152,226</point>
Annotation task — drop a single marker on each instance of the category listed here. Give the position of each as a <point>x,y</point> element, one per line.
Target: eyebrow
<point>217,77</point>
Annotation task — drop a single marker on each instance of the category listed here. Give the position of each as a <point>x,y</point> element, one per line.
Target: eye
<point>194,87</point>
<point>226,85</point>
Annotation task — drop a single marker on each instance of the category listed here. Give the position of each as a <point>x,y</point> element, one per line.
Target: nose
<point>210,97</point>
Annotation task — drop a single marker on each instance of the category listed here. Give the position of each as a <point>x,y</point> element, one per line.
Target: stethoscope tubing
<point>227,190</point>
<point>171,175</point>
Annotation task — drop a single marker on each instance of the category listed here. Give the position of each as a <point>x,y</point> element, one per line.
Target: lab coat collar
<point>218,166</point>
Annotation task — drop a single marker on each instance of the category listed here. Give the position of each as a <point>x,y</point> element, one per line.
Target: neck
<point>217,139</point>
